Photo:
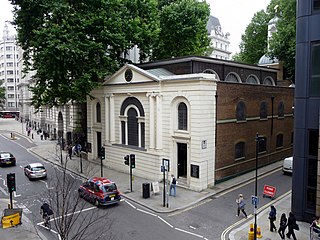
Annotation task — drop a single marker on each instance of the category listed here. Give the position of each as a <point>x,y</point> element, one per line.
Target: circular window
<point>128,75</point>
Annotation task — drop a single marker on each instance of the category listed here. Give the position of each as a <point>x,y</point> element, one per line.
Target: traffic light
<point>126,160</point>
<point>11,182</point>
<point>102,153</point>
<point>133,160</point>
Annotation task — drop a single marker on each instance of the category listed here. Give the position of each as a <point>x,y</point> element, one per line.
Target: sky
<point>234,16</point>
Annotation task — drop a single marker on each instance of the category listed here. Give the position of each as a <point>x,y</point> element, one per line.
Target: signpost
<point>269,191</point>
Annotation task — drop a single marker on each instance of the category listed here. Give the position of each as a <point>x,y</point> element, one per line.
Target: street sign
<point>269,191</point>
<point>255,200</point>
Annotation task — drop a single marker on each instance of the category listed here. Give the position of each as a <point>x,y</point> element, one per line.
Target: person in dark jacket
<point>272,218</point>
<point>283,225</point>
<point>291,224</point>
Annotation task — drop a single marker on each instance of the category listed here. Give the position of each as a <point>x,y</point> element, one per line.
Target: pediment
<point>129,74</point>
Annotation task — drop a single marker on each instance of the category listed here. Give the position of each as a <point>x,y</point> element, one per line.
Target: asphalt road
<point>211,217</point>
<point>122,221</point>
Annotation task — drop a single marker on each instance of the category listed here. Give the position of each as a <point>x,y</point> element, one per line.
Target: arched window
<point>263,110</point>
<point>132,123</point>
<point>232,77</point>
<point>280,109</point>
<point>262,144</point>
<point>240,150</point>
<point>98,113</point>
<point>182,116</point>
<point>279,142</point>
<point>241,111</point>
<point>252,79</point>
<point>268,81</point>
<point>210,71</point>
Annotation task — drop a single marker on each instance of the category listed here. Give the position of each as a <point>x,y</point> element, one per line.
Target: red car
<point>100,191</point>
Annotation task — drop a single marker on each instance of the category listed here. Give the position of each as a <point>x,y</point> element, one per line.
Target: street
<point>126,220</point>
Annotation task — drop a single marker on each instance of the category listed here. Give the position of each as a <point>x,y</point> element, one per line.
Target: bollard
<point>259,235</point>
<point>32,135</point>
<point>251,232</point>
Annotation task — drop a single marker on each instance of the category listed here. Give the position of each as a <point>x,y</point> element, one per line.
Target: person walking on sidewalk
<point>272,218</point>
<point>173,183</point>
<point>283,225</point>
<point>292,224</point>
<point>241,205</point>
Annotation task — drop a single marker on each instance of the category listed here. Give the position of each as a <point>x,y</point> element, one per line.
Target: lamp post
<point>258,139</point>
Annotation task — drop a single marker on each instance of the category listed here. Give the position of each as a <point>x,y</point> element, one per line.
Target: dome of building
<point>264,60</point>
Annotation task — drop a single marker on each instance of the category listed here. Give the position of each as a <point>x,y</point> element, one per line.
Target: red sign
<point>269,190</point>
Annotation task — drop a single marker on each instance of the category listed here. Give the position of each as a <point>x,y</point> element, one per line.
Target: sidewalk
<point>49,151</point>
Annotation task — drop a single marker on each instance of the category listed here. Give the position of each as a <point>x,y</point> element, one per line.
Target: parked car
<point>35,170</point>
<point>100,191</point>
<point>287,165</point>
<point>6,158</point>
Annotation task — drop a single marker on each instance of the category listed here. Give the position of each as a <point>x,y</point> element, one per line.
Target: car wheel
<point>97,203</point>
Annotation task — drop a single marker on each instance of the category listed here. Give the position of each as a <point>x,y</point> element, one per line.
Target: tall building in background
<point>306,175</point>
<point>9,72</point>
<point>219,41</point>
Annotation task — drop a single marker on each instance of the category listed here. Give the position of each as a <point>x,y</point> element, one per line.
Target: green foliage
<point>183,29</point>
<point>254,42</point>
<point>74,45</point>
<point>283,41</point>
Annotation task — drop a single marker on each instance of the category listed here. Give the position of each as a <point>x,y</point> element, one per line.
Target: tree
<point>2,96</point>
<point>254,42</point>
<point>182,29</point>
<point>283,41</point>
<point>74,45</point>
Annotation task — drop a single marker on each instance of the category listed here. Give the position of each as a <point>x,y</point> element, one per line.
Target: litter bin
<point>145,190</point>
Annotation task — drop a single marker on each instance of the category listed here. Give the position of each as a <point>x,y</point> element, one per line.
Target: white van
<point>287,165</point>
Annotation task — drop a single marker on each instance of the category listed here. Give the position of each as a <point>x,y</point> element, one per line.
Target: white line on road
<point>3,191</point>
<point>131,205</point>
<point>165,222</point>
<point>46,184</point>
<point>193,234</point>
<point>146,212</point>
<point>15,194</point>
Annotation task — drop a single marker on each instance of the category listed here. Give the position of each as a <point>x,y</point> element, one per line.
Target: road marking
<point>3,191</point>
<point>15,194</point>
<point>189,208</point>
<point>46,184</point>
<point>259,210</point>
<point>131,205</point>
<point>160,218</point>
<point>146,212</point>
<point>192,227</point>
<point>165,221</point>
<point>194,234</point>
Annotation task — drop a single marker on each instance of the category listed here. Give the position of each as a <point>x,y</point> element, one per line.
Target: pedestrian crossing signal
<point>11,182</point>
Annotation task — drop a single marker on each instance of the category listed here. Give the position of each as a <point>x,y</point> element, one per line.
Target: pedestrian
<point>315,225</point>
<point>292,225</point>
<point>173,185</point>
<point>241,205</point>
<point>272,218</point>
<point>283,225</point>
<point>70,151</point>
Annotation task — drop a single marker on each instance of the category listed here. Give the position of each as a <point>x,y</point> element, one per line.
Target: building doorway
<point>182,159</point>
<point>98,143</point>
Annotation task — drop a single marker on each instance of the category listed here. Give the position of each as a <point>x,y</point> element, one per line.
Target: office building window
<point>263,110</point>
<point>316,5</point>
<point>10,95</point>
<point>315,70</point>
<point>279,143</point>
<point>10,88</point>
<point>10,72</point>
<point>240,150</point>
<point>98,113</point>
<point>9,64</point>
<point>10,80</point>
<point>262,145</point>
<point>241,111</point>
<point>280,109</point>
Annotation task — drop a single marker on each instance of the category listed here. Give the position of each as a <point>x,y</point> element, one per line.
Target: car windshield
<point>5,155</point>
<point>109,187</point>
<point>39,168</point>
